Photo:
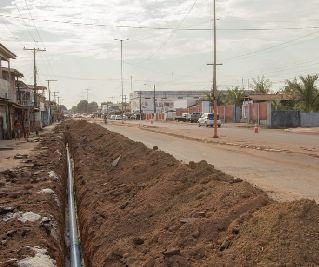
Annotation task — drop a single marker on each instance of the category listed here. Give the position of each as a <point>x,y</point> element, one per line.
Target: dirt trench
<point>32,205</point>
<point>151,210</point>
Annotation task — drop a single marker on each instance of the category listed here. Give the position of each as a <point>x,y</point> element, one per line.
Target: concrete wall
<point>309,119</point>
<point>285,119</point>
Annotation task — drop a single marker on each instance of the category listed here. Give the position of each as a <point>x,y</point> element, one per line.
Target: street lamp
<point>122,86</point>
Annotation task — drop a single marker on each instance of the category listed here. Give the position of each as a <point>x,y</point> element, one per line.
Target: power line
<point>271,47</point>
<point>161,28</point>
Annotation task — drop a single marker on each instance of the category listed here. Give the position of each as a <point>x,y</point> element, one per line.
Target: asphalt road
<point>284,176</point>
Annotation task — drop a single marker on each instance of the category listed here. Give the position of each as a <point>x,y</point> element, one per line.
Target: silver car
<point>207,119</point>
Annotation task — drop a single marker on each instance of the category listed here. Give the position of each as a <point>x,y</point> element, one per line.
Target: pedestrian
<point>27,130</point>
<point>17,130</point>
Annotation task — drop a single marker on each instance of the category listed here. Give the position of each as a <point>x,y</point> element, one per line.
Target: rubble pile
<point>32,207</point>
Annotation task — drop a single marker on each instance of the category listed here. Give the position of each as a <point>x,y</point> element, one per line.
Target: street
<point>284,176</point>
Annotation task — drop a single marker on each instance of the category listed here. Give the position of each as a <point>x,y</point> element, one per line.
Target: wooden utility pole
<point>34,72</point>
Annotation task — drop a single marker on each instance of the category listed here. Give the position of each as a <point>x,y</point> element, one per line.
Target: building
<point>10,109</point>
<point>164,100</point>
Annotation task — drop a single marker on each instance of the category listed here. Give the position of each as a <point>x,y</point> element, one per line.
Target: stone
<point>171,252</point>
<point>20,156</point>
<point>6,210</point>
<point>155,148</point>
<point>224,245</point>
<point>196,234</point>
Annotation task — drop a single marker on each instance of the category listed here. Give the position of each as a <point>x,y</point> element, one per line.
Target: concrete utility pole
<point>214,89</point>
<point>34,71</point>
<point>124,97</point>
<point>154,103</point>
<point>140,95</point>
<point>122,85</point>
<point>50,98</point>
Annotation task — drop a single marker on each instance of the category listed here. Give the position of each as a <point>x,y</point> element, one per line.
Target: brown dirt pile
<point>151,210</point>
<point>32,208</point>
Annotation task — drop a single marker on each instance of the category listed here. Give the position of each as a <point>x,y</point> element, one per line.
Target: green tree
<point>261,85</point>
<point>92,107</point>
<point>82,107</point>
<point>220,98</point>
<point>235,96</point>
<point>74,109</point>
<point>305,92</point>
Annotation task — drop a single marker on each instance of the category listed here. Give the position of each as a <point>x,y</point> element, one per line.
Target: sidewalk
<point>10,148</point>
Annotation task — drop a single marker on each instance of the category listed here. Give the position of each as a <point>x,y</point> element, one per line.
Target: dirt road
<point>284,176</point>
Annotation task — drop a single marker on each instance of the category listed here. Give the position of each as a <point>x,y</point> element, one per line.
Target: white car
<point>118,117</point>
<point>112,117</point>
<point>207,119</point>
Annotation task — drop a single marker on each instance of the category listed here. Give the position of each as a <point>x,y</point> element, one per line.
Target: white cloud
<point>154,51</point>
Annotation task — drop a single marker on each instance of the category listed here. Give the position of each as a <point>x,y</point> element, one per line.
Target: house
<point>10,109</point>
<point>257,108</point>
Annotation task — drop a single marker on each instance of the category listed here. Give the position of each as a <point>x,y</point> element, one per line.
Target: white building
<point>164,100</point>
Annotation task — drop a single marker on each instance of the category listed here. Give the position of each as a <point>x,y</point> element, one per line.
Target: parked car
<point>207,119</point>
<point>118,117</point>
<point>195,116</point>
<point>183,117</point>
<point>112,117</point>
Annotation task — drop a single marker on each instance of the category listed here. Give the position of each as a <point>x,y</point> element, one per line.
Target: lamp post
<point>122,86</point>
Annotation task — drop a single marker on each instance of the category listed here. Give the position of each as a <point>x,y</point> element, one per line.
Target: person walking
<point>27,130</point>
<point>17,130</point>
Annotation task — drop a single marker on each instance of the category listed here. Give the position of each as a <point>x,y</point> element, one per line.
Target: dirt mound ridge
<point>151,210</point>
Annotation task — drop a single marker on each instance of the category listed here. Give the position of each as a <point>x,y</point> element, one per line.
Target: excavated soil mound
<point>142,207</point>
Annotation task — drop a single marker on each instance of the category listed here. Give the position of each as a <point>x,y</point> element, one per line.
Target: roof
<point>39,87</point>
<point>6,53</point>
<point>268,97</point>
<point>12,70</point>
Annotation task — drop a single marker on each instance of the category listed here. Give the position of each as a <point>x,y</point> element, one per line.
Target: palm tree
<point>235,96</point>
<point>261,85</point>
<point>306,92</point>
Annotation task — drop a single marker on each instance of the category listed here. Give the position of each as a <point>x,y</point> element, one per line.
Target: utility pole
<point>54,95</point>
<point>49,115</point>
<point>124,97</point>
<point>214,89</point>
<point>34,70</point>
<point>154,103</point>
<point>140,105</point>
<point>87,99</point>
<point>122,85</point>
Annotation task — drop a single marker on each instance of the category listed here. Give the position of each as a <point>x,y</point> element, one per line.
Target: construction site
<point>139,206</point>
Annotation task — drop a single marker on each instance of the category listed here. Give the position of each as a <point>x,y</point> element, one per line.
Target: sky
<point>170,43</point>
